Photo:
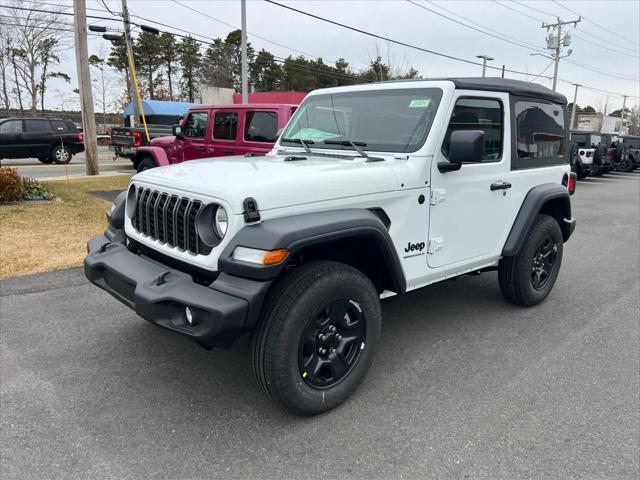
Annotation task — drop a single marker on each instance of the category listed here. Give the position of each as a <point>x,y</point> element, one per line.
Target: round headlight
<point>221,222</point>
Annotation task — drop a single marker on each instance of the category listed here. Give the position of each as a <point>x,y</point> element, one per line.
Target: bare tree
<point>37,42</point>
<point>5,64</point>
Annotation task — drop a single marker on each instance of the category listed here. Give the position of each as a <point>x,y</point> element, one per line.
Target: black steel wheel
<point>528,277</point>
<point>331,343</point>
<point>316,337</point>
<point>542,263</point>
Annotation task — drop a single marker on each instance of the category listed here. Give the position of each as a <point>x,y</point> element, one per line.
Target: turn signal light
<point>137,136</point>
<point>256,256</point>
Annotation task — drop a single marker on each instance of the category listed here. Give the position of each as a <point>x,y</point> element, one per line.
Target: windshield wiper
<point>305,143</point>
<point>356,146</point>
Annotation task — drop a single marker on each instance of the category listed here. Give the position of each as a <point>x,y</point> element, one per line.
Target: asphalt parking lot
<point>32,167</point>
<point>464,385</point>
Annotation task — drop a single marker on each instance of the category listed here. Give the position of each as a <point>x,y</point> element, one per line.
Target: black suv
<point>47,139</point>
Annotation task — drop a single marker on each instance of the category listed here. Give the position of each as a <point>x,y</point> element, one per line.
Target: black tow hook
<point>162,279</point>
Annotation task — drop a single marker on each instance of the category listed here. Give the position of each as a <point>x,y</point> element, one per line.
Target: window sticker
<point>420,103</point>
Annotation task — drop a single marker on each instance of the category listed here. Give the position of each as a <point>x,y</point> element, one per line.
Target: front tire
<point>316,337</point>
<point>60,154</point>
<point>528,277</point>
<point>145,164</point>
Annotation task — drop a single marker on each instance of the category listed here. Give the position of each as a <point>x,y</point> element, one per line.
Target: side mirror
<point>176,131</point>
<point>464,146</point>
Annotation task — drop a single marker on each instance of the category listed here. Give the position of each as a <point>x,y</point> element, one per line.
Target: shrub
<point>32,190</point>
<point>11,187</point>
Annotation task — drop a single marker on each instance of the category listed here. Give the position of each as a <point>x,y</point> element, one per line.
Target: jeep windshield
<point>396,120</point>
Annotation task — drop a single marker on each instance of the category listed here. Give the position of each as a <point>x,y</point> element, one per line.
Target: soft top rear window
<point>395,120</point>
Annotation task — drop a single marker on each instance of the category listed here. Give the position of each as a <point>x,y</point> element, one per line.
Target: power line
<point>248,33</point>
<point>390,40</point>
<point>617,52</point>
<point>606,74</point>
<point>534,47</point>
<point>599,25</point>
<point>533,8</point>
<point>539,20</point>
<point>108,9</point>
<point>346,26</point>
<point>469,26</point>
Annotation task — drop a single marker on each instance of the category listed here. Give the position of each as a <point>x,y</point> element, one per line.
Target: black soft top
<point>513,87</point>
<point>497,84</point>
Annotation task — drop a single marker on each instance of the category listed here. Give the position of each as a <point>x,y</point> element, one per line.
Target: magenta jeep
<point>217,130</point>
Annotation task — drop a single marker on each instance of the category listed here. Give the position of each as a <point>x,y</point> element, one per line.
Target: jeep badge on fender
<point>414,246</point>
<point>332,206</point>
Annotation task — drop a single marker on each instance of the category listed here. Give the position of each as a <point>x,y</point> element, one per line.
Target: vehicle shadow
<point>163,367</point>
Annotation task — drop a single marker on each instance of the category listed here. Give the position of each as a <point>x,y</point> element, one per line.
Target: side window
<point>225,125</point>
<point>478,114</point>
<point>579,139</point>
<point>59,126</point>
<point>540,132</point>
<point>11,126</point>
<point>261,126</point>
<point>37,126</point>
<point>196,125</point>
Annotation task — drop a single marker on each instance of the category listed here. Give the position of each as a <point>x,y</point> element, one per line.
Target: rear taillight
<point>581,153</point>
<point>589,154</point>
<point>572,184</point>
<point>80,137</point>
<point>137,137</point>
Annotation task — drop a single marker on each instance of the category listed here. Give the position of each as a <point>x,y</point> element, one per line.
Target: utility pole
<point>127,38</point>
<point>624,104</point>
<point>84,85</point>
<point>243,47</point>
<point>573,110</point>
<point>484,63</point>
<point>556,42</point>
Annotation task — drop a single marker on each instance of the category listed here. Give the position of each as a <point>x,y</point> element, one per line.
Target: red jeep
<point>215,131</point>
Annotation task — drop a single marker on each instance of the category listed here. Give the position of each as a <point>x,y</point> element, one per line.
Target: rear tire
<point>303,364</point>
<point>60,154</point>
<point>145,164</point>
<point>626,165</point>
<point>528,277</point>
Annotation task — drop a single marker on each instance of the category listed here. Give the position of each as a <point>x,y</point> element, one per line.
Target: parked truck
<point>160,116</point>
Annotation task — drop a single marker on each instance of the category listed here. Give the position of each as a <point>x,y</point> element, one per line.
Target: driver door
<point>469,205</point>
<point>194,141</point>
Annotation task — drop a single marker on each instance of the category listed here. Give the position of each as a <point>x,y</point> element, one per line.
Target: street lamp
<point>485,59</point>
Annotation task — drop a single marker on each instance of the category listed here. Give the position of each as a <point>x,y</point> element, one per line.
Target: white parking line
<point>589,182</point>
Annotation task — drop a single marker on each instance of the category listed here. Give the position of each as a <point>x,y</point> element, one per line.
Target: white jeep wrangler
<point>371,191</point>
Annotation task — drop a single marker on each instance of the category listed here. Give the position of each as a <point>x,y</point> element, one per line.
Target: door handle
<point>500,185</point>
<point>227,152</point>
<point>202,149</point>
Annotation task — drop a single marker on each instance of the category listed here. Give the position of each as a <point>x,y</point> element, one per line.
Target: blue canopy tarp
<point>160,107</point>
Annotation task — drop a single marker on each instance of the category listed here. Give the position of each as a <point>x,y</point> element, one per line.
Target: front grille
<point>169,219</point>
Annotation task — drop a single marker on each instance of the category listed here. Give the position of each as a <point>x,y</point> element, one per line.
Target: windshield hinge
<point>438,195</point>
<point>434,245</point>
<point>251,212</point>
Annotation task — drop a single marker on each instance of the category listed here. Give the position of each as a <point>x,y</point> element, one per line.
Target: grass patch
<point>53,235</point>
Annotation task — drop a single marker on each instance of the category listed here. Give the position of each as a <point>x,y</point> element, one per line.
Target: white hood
<point>274,182</point>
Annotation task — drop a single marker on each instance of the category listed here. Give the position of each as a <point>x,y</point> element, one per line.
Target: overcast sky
<point>400,20</point>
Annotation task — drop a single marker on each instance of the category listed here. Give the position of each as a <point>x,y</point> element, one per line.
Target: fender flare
<point>532,205</point>
<point>157,153</point>
<point>301,231</point>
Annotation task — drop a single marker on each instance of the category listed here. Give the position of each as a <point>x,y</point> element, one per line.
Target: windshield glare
<point>377,120</point>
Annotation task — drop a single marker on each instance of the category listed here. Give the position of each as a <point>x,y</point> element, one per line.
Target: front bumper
<point>222,311</point>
